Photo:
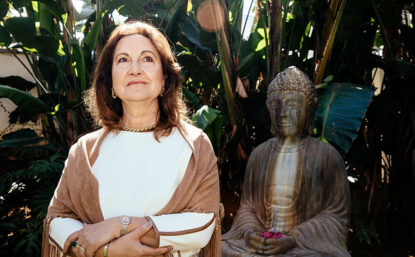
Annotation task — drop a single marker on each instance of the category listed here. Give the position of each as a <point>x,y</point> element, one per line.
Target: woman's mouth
<point>136,82</point>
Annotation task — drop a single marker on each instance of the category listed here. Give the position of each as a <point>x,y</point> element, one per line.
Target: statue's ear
<point>274,131</point>
<point>268,106</point>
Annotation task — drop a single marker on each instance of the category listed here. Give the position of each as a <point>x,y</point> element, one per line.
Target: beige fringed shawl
<point>77,193</point>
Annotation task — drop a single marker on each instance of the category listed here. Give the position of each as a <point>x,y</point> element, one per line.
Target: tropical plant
<point>226,77</point>
<point>43,33</point>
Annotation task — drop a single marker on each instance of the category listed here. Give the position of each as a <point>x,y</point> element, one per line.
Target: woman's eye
<point>122,59</point>
<point>148,59</point>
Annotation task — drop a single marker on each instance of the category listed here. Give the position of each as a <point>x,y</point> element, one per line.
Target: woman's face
<point>137,74</point>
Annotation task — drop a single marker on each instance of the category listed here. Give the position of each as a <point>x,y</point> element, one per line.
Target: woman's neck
<point>139,115</point>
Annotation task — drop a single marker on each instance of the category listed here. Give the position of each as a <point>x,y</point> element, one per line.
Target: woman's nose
<point>135,68</point>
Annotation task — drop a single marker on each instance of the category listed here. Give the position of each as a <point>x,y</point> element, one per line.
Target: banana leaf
<point>211,121</point>
<point>55,9</point>
<point>17,82</point>
<point>20,138</point>
<point>192,98</point>
<point>5,38</point>
<point>23,30</point>
<point>23,99</point>
<point>91,38</point>
<point>189,30</point>
<point>341,108</point>
<point>4,8</point>
<point>79,63</point>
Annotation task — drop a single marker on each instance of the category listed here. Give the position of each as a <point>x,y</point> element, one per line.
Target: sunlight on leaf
<point>261,31</point>
<point>35,6</point>
<point>290,16</point>
<point>261,45</point>
<point>189,6</point>
<point>61,52</point>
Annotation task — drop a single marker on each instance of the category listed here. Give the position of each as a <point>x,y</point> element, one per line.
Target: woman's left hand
<point>93,236</point>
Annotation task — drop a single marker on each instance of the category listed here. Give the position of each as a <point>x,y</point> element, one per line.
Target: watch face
<point>125,220</point>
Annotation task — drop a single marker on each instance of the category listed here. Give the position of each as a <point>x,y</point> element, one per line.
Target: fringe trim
<point>47,248</point>
<point>212,249</point>
<point>55,251</point>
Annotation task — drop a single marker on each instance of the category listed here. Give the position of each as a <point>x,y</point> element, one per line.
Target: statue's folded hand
<point>280,245</point>
<point>255,240</point>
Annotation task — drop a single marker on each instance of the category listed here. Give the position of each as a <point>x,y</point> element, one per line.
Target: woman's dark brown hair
<point>107,111</point>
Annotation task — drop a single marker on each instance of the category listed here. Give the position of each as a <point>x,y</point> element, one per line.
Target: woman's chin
<point>138,99</point>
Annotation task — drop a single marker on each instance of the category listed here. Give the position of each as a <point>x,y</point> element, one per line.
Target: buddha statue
<point>295,198</point>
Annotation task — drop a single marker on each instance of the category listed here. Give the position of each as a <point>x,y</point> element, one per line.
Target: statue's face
<point>288,111</point>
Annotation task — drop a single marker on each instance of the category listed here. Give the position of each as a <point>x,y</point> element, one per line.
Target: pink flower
<point>272,234</point>
<point>267,235</point>
<point>278,235</point>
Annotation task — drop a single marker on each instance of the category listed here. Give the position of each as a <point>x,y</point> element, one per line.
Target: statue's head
<point>291,102</point>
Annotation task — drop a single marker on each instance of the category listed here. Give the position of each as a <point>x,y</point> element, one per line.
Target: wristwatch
<point>125,221</point>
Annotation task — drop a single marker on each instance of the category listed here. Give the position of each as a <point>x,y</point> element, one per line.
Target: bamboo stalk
<point>382,26</point>
<point>275,29</point>
<point>321,67</point>
<point>226,61</point>
<point>334,8</point>
<point>98,46</point>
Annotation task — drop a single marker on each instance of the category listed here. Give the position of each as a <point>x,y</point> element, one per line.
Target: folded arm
<point>182,231</point>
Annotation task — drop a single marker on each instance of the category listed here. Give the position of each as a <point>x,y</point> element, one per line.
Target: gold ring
<point>82,249</point>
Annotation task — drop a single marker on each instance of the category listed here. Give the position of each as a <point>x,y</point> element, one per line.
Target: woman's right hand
<point>130,245</point>
<point>92,236</point>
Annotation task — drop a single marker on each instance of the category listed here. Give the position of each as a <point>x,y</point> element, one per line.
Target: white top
<point>137,176</point>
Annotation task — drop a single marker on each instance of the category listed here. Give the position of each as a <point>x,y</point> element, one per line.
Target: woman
<point>140,186</point>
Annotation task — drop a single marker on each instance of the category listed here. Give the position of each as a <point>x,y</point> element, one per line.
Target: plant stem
<point>321,67</point>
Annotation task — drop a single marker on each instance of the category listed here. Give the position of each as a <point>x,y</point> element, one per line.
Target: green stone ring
<point>74,244</point>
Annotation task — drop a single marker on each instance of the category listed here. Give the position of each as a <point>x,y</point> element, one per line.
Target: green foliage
<point>216,67</point>
<point>211,121</point>
<point>25,193</point>
<point>367,234</point>
<point>341,108</point>
<point>23,99</point>
<point>55,9</point>
<point>17,82</point>
<point>5,38</point>
<point>20,138</point>
<point>4,8</point>
<point>23,30</point>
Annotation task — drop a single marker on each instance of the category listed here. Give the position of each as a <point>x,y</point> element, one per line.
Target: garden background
<point>359,53</point>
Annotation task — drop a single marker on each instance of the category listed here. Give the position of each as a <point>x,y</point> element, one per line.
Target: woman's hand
<point>93,236</point>
<point>130,245</point>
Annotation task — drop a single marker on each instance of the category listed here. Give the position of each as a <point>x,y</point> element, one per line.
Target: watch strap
<point>125,221</point>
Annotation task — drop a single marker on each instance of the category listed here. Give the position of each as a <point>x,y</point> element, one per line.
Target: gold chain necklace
<point>126,128</point>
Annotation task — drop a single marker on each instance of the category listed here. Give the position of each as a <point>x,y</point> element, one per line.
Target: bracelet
<point>106,250</point>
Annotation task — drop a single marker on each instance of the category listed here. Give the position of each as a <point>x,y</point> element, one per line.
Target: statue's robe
<point>321,203</point>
